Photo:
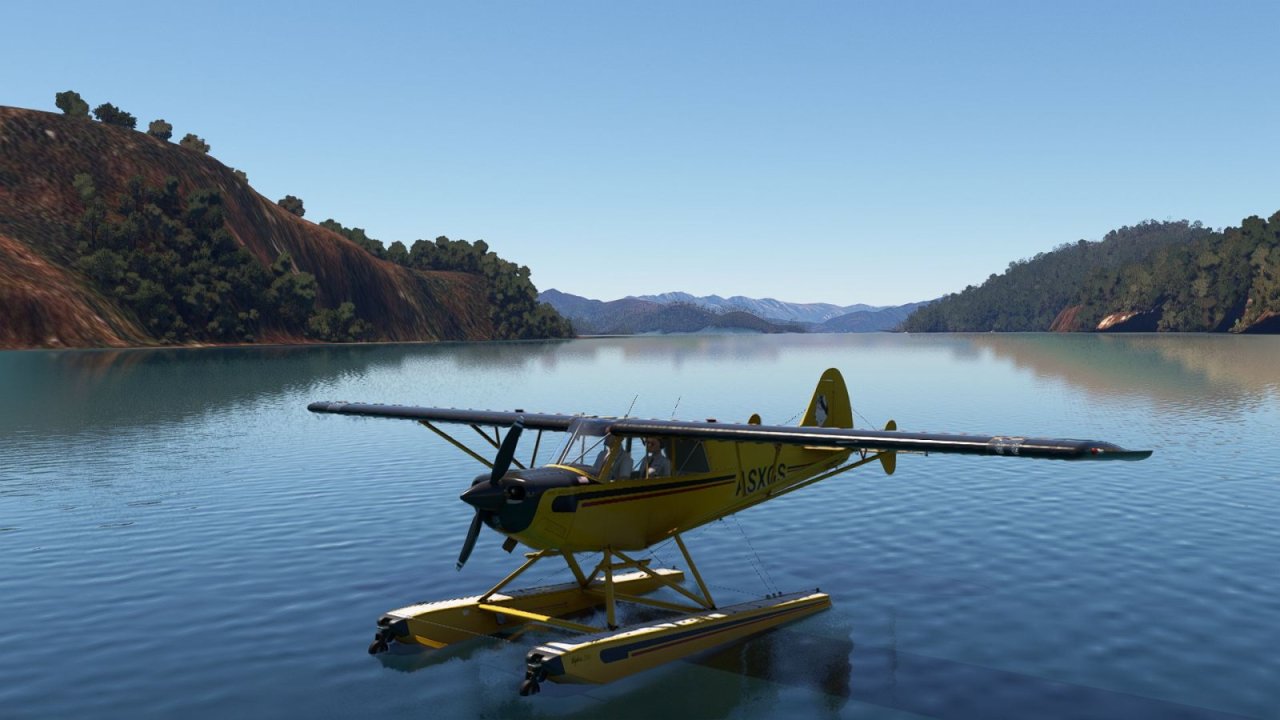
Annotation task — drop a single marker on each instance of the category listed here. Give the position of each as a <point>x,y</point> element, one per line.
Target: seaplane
<point>615,487</point>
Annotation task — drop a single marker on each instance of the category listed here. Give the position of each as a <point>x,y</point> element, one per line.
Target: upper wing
<point>532,421</point>
<point>882,440</point>
<point>843,438</point>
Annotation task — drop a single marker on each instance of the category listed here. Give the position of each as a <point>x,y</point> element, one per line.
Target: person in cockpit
<point>621,462</point>
<point>655,463</point>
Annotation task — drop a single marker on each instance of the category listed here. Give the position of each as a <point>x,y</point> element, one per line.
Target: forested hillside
<point>1157,276</point>
<point>113,237</point>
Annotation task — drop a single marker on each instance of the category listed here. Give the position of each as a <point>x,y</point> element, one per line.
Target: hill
<point>682,312</point>
<point>1154,276</point>
<point>633,316</point>
<point>767,308</point>
<point>877,320</point>
<point>112,237</point>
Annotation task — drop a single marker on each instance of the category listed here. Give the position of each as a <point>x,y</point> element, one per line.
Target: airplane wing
<point>841,438</point>
<point>531,421</point>
<point>882,440</point>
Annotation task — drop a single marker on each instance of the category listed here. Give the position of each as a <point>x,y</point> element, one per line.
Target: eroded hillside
<point>47,301</point>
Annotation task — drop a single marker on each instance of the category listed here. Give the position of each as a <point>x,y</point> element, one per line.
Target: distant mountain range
<point>681,312</point>
<point>767,308</point>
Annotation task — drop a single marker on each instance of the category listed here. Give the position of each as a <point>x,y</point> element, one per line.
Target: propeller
<point>483,496</point>
<point>472,533</point>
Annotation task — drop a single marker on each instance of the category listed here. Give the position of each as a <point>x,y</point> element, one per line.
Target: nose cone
<point>484,496</point>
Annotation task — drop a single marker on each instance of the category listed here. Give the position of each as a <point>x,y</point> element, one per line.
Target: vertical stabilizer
<point>830,404</point>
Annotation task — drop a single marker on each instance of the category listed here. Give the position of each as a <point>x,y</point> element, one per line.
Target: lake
<point>179,536</point>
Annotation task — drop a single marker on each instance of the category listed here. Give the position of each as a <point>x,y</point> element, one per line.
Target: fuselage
<point>582,507</point>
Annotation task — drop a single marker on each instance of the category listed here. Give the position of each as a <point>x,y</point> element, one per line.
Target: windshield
<point>585,440</point>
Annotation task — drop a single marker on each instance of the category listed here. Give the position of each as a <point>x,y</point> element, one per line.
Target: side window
<point>690,457</point>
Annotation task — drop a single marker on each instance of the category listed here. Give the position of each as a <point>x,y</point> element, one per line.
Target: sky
<point>842,152</point>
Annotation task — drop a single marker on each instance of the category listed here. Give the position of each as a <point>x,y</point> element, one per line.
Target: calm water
<point>180,537</point>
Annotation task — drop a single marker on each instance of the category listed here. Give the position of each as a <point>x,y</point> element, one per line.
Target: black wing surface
<point>882,440</point>
<point>840,438</point>
<point>498,418</point>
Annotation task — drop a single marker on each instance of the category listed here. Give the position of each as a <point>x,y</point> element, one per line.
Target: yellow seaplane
<point>602,495</point>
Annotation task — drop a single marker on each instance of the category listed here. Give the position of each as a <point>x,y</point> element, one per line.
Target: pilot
<point>655,464</point>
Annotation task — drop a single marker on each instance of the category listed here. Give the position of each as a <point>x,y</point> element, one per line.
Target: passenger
<point>655,464</point>
<point>621,466</point>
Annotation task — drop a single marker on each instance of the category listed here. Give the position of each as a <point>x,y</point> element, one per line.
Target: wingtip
<point>1116,453</point>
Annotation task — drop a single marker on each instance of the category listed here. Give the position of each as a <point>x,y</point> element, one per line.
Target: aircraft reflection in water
<point>617,486</point>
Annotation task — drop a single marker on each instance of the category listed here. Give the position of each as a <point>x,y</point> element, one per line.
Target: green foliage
<point>398,253</point>
<point>83,183</point>
<point>171,261</point>
<point>112,115</point>
<point>70,103</point>
<point>1214,283</point>
<point>292,293</point>
<point>160,129</point>
<point>1030,294</point>
<point>513,300</point>
<point>357,236</point>
<point>193,142</point>
<point>292,204</point>
<point>1181,277</point>
<point>338,325</point>
<point>241,176</point>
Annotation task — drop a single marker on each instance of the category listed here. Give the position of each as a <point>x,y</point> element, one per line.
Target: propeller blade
<point>469,544</point>
<point>502,463</point>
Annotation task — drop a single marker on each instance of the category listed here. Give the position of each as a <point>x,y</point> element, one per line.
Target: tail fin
<point>830,404</point>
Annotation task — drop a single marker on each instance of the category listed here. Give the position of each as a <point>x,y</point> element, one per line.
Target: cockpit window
<point>690,457</point>
<point>585,440</point>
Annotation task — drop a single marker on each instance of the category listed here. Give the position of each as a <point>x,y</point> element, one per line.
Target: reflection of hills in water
<point>678,348</point>
<point>44,391</point>
<point>69,391</point>
<point>1238,372</point>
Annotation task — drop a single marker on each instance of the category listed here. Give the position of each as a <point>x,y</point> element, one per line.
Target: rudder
<point>829,406</point>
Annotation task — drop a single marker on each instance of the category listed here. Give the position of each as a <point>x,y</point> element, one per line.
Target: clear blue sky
<point>840,152</point>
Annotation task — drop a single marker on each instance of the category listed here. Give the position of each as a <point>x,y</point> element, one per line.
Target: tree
<point>70,103</point>
<point>112,115</point>
<point>160,129</point>
<point>83,183</point>
<point>193,142</point>
<point>339,325</point>
<point>398,253</point>
<point>244,179</point>
<point>292,204</point>
<point>357,236</point>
